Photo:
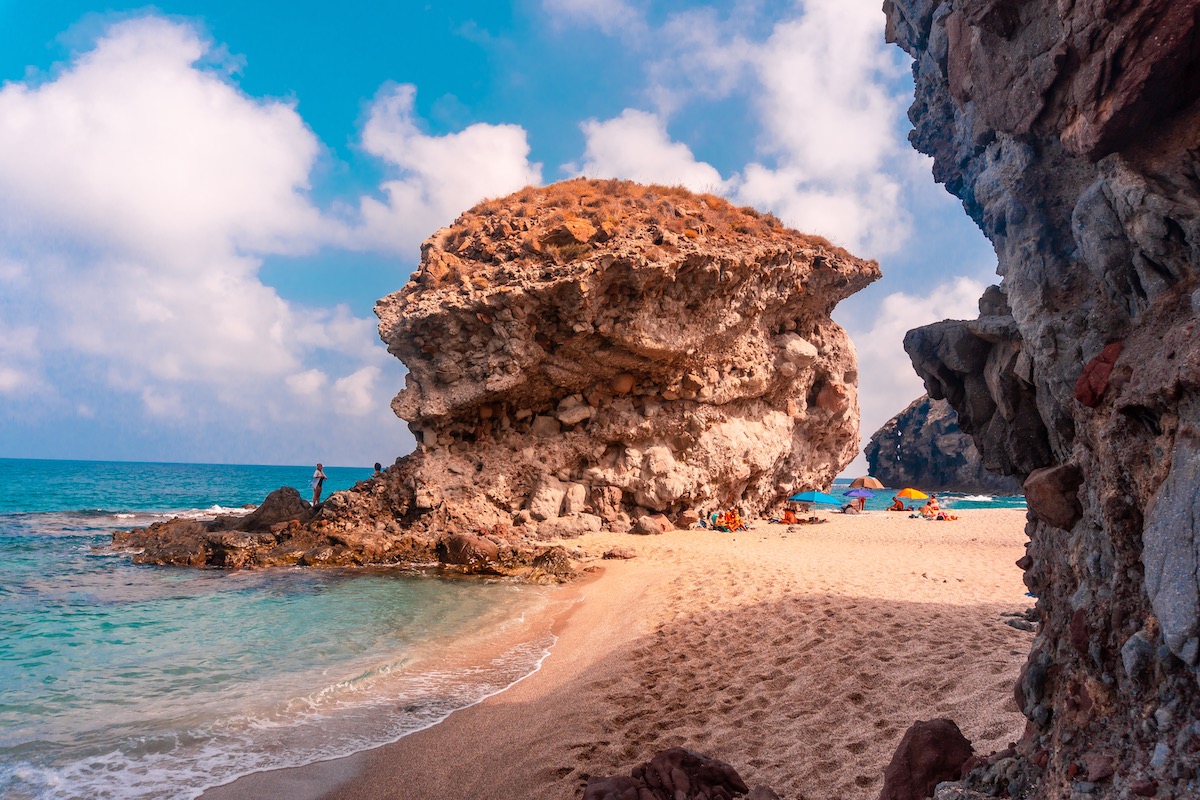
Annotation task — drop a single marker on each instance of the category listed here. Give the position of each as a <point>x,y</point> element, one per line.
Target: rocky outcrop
<point>588,355</point>
<point>608,351</point>
<point>361,526</point>
<point>1070,131</point>
<point>923,446</point>
<point>932,751</point>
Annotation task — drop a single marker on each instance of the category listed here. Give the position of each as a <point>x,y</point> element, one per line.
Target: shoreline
<point>799,654</point>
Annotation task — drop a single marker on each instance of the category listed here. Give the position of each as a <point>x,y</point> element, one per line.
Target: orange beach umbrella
<point>911,494</point>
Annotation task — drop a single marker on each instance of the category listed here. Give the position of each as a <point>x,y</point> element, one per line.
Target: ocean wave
<point>976,498</point>
<point>87,521</point>
<point>376,707</point>
<point>211,511</point>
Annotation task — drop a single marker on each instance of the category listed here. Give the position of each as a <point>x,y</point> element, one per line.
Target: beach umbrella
<point>866,482</point>
<point>816,497</point>
<point>911,494</point>
<point>859,493</point>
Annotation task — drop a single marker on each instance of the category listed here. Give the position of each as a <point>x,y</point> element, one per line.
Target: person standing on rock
<point>318,483</point>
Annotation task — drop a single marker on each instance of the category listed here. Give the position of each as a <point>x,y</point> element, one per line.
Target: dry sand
<point>798,654</point>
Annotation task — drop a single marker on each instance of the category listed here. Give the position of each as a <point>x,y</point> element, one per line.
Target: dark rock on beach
<point>282,505</point>
<point>931,751</point>
<point>676,774</point>
<point>923,446</point>
<point>1071,133</point>
<point>352,528</point>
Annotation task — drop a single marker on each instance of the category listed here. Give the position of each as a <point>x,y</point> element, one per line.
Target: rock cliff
<point>923,446</point>
<point>592,352</point>
<point>587,355</point>
<point>1071,133</point>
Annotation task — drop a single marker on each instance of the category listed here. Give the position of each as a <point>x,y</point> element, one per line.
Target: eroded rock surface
<point>358,527</point>
<point>1070,131</point>
<point>588,355</point>
<point>604,351</point>
<point>923,446</point>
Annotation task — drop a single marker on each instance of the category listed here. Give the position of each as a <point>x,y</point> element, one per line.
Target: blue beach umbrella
<point>816,497</point>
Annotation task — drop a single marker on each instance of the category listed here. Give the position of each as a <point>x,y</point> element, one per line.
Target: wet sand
<point>799,654</point>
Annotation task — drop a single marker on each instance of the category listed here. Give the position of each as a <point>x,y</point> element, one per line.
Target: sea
<point>128,681</point>
<point>962,501</point>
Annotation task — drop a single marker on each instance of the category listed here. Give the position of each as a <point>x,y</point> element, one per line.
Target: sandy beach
<point>799,654</point>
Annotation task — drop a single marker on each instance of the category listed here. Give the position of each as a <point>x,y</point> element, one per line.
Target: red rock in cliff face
<point>1070,131</point>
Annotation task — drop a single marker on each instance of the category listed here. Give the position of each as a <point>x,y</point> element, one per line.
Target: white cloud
<point>866,216</point>
<point>19,357</point>
<point>824,102</point>
<point>696,54</point>
<point>307,383</point>
<point>12,272</point>
<point>820,86</point>
<point>356,392</point>
<point>160,403</point>
<point>610,16</point>
<point>636,146</point>
<point>439,176</point>
<point>135,148</point>
<point>12,380</point>
<point>139,193</point>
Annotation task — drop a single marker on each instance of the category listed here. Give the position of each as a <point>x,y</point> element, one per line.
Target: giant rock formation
<point>592,352</point>
<point>1071,133</point>
<point>923,446</point>
<point>589,355</point>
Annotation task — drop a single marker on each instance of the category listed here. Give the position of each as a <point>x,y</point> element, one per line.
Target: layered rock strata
<point>588,355</point>
<point>923,446</point>
<point>594,352</point>
<point>1070,131</point>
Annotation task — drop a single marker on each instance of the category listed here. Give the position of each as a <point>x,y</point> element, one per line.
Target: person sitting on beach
<point>851,508</point>
<point>789,517</point>
<point>897,505</point>
<point>930,509</point>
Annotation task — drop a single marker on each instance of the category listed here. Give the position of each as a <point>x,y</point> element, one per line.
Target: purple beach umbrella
<point>859,493</point>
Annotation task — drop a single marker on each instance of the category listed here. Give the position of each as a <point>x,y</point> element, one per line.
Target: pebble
<point>1161,751</point>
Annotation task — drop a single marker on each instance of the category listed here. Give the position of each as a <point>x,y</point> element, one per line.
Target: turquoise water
<point>120,680</point>
<point>957,500</point>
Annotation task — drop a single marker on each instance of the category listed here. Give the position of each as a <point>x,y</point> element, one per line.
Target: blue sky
<point>200,202</point>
